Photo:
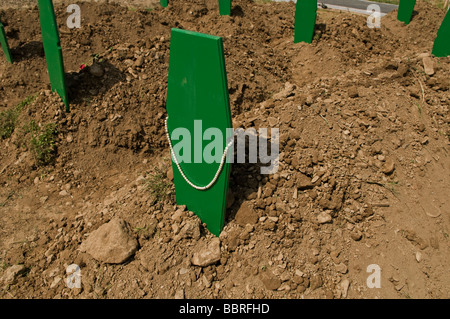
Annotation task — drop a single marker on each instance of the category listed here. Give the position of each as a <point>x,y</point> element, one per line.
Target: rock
<point>418,256</point>
<point>423,55</point>
<point>353,92</point>
<point>246,215</point>
<point>208,255</point>
<point>270,281</point>
<point>428,65</point>
<point>356,235</point>
<point>316,282</point>
<point>324,217</point>
<point>190,230</point>
<point>139,61</point>
<point>55,282</point>
<point>342,268</point>
<point>304,182</point>
<point>344,287</point>
<point>206,282</point>
<point>284,287</point>
<point>112,242</point>
<point>388,167</point>
<point>96,70</point>
<point>12,273</point>
<point>285,276</point>
<point>178,215</point>
<point>286,92</point>
<point>64,193</point>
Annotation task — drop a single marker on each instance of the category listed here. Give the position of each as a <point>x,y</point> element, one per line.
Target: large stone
<point>324,217</point>
<point>207,255</point>
<point>246,215</point>
<point>12,273</point>
<point>270,281</point>
<point>428,65</point>
<point>287,91</point>
<point>111,243</point>
<point>304,182</point>
<point>190,230</point>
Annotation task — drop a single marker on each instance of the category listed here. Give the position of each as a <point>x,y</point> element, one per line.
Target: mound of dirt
<point>364,147</point>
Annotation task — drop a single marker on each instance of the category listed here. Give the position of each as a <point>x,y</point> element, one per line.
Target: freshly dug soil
<point>364,157</point>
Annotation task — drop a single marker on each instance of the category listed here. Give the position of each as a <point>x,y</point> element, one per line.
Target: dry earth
<point>364,159</point>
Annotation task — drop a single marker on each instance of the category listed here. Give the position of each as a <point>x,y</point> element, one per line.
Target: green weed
<point>157,185</point>
<point>9,117</point>
<point>43,144</point>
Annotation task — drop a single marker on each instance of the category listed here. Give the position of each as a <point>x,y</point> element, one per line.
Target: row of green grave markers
<point>305,18</point>
<point>52,49</point>
<point>441,46</point>
<point>197,90</point>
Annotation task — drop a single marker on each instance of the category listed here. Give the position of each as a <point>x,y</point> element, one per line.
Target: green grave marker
<point>305,20</point>
<point>225,7</point>
<point>405,10</point>
<point>4,44</point>
<point>52,49</point>
<point>198,91</point>
<point>163,3</point>
<point>441,47</point>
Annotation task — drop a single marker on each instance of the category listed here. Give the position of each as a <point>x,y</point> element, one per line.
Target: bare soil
<point>364,156</point>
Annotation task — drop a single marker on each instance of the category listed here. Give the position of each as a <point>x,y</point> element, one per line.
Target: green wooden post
<point>305,20</point>
<point>225,7</point>
<point>4,44</point>
<point>163,3</point>
<point>405,10</point>
<point>441,47</point>
<point>198,91</point>
<point>52,49</point>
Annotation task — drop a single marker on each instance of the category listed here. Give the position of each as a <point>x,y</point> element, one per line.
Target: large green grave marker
<point>4,44</point>
<point>405,10</point>
<point>52,49</point>
<point>441,47</point>
<point>225,7</point>
<point>163,3</point>
<point>198,91</point>
<point>305,20</point>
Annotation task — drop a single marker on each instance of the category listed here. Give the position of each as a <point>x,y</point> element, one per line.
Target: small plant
<point>43,144</point>
<point>419,108</point>
<point>97,58</point>
<point>9,117</point>
<point>158,186</point>
<point>8,120</point>
<point>10,195</point>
